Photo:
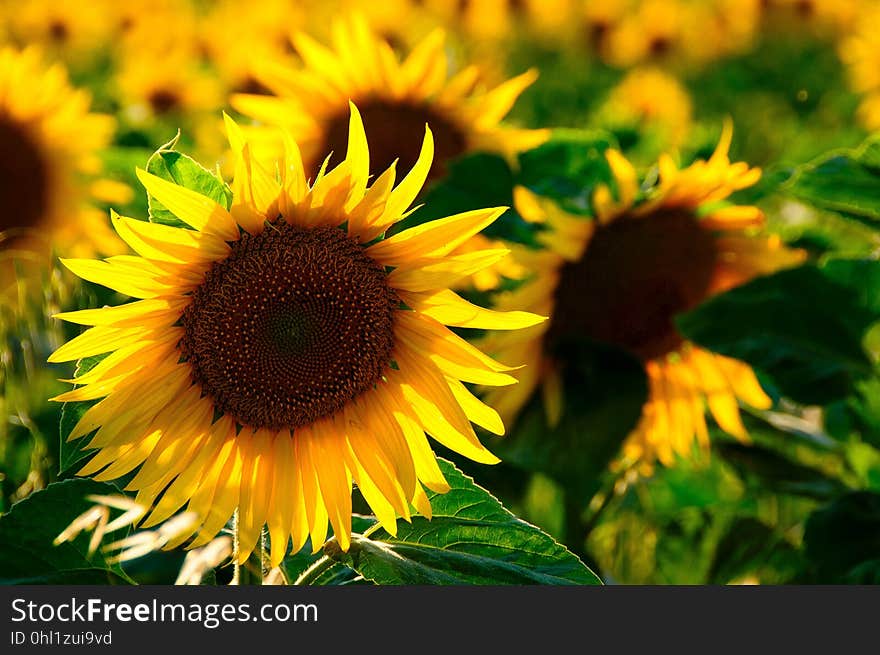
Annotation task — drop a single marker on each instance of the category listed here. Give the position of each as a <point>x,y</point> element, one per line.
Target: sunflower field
<point>424,292</point>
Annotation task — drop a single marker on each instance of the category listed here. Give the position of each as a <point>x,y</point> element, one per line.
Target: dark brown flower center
<point>58,31</point>
<point>394,131</point>
<point>252,85</point>
<point>163,101</point>
<point>24,178</point>
<point>290,327</point>
<point>634,277</point>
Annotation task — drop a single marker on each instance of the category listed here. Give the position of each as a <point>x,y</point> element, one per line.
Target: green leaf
<point>843,539</point>
<point>71,452</point>
<point>604,390</point>
<point>804,327</point>
<point>568,167</point>
<point>176,167</point>
<point>846,181</point>
<point>27,554</point>
<point>471,539</point>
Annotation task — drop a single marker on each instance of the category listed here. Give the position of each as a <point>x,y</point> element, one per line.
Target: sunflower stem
<point>251,571</point>
<point>318,567</point>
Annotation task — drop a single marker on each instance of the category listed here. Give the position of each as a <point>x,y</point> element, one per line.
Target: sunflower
<point>396,97</point>
<point>622,277</point>
<point>49,164</point>
<point>233,35</point>
<point>282,350</point>
<point>75,32</point>
<point>165,85</point>
<point>649,100</point>
<point>600,19</point>
<point>678,31</point>
<point>654,31</point>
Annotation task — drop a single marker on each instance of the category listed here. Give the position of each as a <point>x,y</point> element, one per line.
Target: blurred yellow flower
<point>621,277</point>
<point>73,31</point>
<point>170,84</point>
<point>649,100</point>
<point>49,164</point>
<point>397,97</point>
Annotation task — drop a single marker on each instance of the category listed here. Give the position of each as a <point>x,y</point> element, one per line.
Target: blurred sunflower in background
<point>50,178</point>
<point>70,31</point>
<point>279,351</point>
<point>623,276</point>
<point>397,97</point>
<point>49,165</point>
<point>649,102</point>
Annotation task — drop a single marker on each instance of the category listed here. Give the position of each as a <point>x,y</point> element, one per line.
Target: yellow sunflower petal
<point>194,209</point>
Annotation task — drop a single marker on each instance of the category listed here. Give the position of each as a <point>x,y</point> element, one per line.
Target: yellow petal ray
<point>194,209</point>
<point>378,415</point>
<point>293,174</point>
<point>280,516</point>
<point>421,503</point>
<point>720,398</point>
<point>133,405</point>
<point>299,524</point>
<point>98,340</point>
<point>450,360</point>
<point>476,411</point>
<point>153,312</point>
<point>459,85</point>
<point>425,68</point>
<point>253,186</point>
<point>508,400</point>
<point>256,489</point>
<point>435,408</point>
<point>126,360</point>
<point>184,486</point>
<point>92,391</point>
<point>322,59</point>
<point>327,447</point>
<point>424,459</point>
<point>447,307</point>
<point>374,463</point>
<point>126,458</point>
<point>442,342</point>
<point>364,220</point>
<point>221,497</point>
<point>445,272</point>
<point>171,244</point>
<point>744,383</point>
<point>191,424</point>
<point>383,510</point>
<point>432,239</point>
<point>119,278</point>
<point>316,511</point>
<point>211,498</point>
<point>625,176</point>
<point>358,155</point>
<point>736,217</point>
<point>405,193</point>
<point>496,104</point>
